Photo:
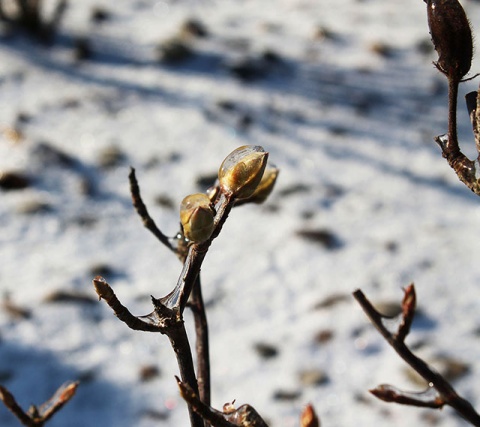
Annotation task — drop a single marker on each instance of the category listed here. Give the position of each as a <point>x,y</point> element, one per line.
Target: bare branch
<point>10,402</point>
<point>37,416</point>
<point>64,393</point>
<point>244,416</point>
<point>197,306</point>
<point>446,392</point>
<point>429,398</point>
<point>104,291</point>
<point>214,417</point>
<point>142,211</point>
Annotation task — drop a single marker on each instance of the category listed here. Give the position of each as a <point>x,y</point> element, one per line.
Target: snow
<point>352,133</point>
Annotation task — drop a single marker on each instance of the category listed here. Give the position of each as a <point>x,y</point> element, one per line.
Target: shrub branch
<point>444,393</point>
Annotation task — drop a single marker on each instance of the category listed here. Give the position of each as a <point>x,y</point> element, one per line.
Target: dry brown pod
<point>451,36</point>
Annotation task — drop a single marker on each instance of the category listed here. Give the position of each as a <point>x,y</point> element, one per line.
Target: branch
<point>197,306</point>
<point>244,416</point>
<point>105,292</point>
<point>64,393</point>
<point>12,405</point>
<point>37,416</point>
<point>178,298</point>
<point>428,398</point>
<point>163,320</point>
<point>142,211</point>
<point>214,417</point>
<point>446,393</point>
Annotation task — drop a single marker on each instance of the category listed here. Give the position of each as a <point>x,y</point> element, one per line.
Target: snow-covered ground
<point>347,103</point>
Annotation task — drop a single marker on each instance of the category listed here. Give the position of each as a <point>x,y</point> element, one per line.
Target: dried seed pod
<point>197,217</point>
<point>451,36</point>
<point>242,171</point>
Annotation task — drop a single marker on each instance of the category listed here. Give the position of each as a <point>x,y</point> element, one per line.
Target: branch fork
<point>439,392</point>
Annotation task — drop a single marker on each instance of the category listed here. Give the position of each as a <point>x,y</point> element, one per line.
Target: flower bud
<point>197,217</point>
<point>266,185</point>
<point>309,417</point>
<point>263,189</point>
<point>451,36</point>
<point>242,171</point>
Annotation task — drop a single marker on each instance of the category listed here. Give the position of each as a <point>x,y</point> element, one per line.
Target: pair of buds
<point>243,176</point>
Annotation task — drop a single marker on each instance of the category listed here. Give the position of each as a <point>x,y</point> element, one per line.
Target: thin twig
<point>105,292</point>
<point>214,417</point>
<point>37,416</point>
<point>10,402</point>
<point>142,211</point>
<point>424,399</point>
<point>452,148</point>
<point>447,393</point>
<point>197,306</point>
<point>64,393</point>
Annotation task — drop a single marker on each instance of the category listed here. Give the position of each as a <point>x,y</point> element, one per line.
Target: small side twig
<point>9,400</point>
<point>105,292</point>
<point>38,416</point>
<point>142,211</point>
<point>444,393</point>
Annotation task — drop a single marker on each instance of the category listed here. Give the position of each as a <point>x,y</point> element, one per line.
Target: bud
<point>263,189</point>
<point>309,417</point>
<point>242,171</point>
<point>451,36</point>
<point>197,217</point>
<point>266,185</point>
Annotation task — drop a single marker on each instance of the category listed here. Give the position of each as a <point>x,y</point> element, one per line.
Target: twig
<point>163,320</point>
<point>37,416</point>
<point>446,393</point>
<point>428,398</point>
<point>9,400</point>
<point>197,306</point>
<point>465,169</point>
<point>142,211</point>
<point>105,292</point>
<point>244,416</point>
<point>64,393</point>
<point>214,417</point>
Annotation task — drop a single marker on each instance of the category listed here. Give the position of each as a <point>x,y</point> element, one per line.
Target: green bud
<point>242,171</point>
<point>197,217</point>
